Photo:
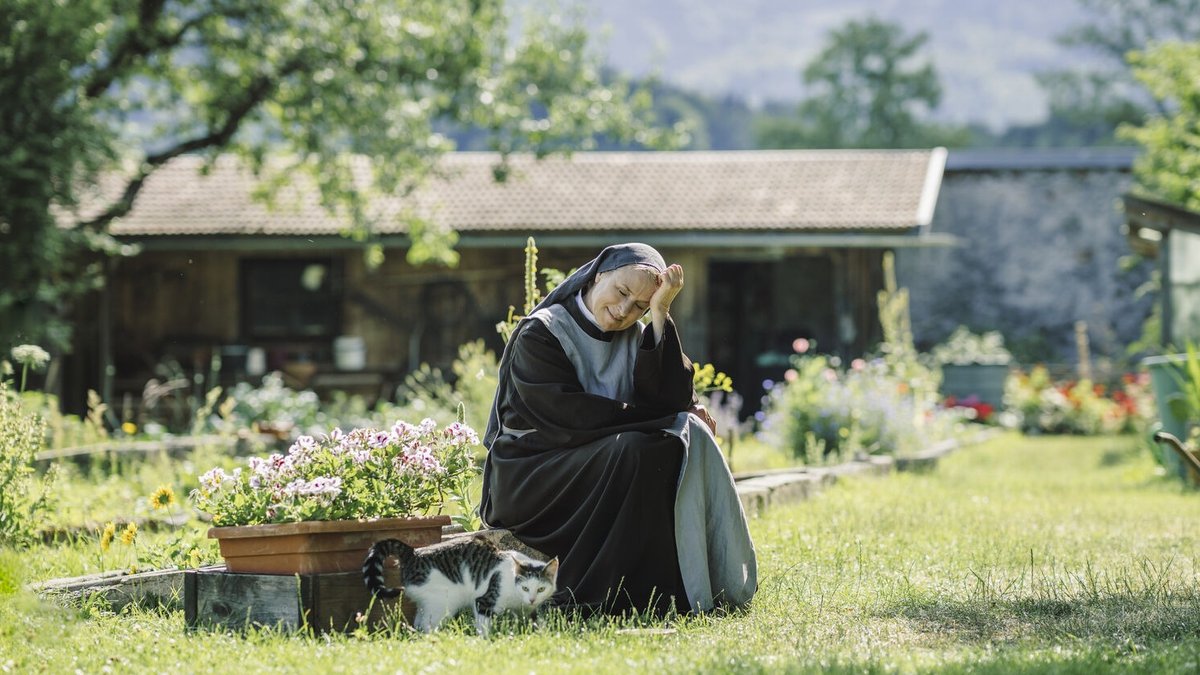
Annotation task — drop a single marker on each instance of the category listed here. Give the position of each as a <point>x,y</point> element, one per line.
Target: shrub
<point>23,497</point>
<point>823,413</point>
<point>1077,407</point>
<point>964,348</point>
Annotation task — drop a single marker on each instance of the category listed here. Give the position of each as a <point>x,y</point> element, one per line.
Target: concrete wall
<point>1041,250</point>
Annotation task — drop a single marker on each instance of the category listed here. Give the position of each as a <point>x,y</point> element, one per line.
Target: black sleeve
<point>547,394</point>
<point>662,377</point>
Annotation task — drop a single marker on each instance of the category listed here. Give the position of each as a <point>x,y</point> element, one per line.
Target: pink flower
<point>858,364</point>
<point>800,345</point>
<point>791,375</point>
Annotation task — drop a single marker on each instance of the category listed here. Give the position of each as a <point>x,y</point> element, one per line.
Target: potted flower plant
<point>974,366</point>
<point>319,507</point>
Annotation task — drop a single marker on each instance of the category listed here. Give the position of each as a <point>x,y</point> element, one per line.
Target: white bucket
<point>349,352</point>
<point>256,361</point>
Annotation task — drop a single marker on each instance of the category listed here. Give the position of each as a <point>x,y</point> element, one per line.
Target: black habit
<point>594,481</point>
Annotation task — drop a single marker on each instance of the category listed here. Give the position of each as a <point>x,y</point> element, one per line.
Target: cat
<point>443,579</point>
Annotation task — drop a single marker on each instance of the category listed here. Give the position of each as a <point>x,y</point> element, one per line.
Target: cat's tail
<point>373,565</point>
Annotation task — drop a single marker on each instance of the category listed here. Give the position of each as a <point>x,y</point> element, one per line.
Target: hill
<point>985,53</point>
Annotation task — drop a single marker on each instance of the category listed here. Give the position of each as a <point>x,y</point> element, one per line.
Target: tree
<point>1169,169</point>
<point>1088,104</point>
<point>117,88</point>
<point>868,88</point>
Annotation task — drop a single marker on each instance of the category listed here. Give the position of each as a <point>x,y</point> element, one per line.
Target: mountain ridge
<point>986,54</point>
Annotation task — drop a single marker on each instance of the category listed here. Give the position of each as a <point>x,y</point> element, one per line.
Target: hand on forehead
<point>637,277</point>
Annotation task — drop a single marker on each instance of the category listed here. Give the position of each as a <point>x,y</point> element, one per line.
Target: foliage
<point>865,90</point>
<point>23,495</point>
<point>53,140</point>
<point>58,430</point>
<point>823,413</point>
<point>1169,169</point>
<point>426,391</point>
<point>1186,404</point>
<point>533,295</point>
<point>62,430</point>
<point>408,470</point>
<point>707,379</point>
<point>1098,99</point>
<point>897,349</point>
<point>272,405</point>
<point>888,404</point>
<point>964,347</point>
<point>1043,406</point>
<point>105,89</point>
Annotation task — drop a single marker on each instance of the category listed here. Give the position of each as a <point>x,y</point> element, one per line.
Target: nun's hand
<point>670,282</point>
<point>702,412</point>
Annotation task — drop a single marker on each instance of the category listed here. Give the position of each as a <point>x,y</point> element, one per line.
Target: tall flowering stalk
<point>29,356</point>
<point>403,471</point>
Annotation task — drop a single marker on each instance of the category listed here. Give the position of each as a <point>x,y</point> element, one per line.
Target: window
<point>291,299</point>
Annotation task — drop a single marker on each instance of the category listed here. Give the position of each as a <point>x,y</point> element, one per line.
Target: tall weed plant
<point>23,495</point>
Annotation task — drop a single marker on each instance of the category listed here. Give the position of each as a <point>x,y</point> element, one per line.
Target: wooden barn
<point>775,245</point>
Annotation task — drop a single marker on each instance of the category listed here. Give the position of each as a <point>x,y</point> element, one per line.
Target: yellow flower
<point>129,534</point>
<point>163,497</point>
<point>129,428</point>
<point>106,537</point>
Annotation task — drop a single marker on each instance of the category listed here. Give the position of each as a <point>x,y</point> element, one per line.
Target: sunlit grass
<point>1018,555</point>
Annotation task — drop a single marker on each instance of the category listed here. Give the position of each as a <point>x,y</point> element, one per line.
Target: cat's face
<point>534,581</point>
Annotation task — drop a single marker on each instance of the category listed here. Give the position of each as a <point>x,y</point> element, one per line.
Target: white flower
<point>30,356</point>
<point>213,479</point>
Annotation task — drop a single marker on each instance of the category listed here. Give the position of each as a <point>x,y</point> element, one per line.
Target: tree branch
<point>258,91</point>
<point>140,41</point>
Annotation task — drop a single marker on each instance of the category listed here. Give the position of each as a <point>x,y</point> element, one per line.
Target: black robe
<point>594,482</point>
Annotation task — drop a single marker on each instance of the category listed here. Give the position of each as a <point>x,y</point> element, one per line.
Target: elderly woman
<point>598,454</point>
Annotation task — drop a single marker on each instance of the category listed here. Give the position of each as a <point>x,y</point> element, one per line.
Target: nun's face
<point>620,297</point>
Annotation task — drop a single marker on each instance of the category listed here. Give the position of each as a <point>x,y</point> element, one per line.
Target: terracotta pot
<point>318,546</point>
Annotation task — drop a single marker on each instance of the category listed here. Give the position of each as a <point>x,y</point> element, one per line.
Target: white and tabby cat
<point>443,579</point>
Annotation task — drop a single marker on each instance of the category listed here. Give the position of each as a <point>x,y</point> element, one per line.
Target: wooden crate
<point>216,598</point>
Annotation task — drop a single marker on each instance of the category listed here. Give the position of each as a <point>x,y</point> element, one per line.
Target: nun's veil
<point>610,258</point>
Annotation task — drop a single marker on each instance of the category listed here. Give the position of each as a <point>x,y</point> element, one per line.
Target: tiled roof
<point>781,191</point>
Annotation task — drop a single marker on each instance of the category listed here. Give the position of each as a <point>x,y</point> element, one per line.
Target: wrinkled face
<point>535,583</point>
<point>620,297</point>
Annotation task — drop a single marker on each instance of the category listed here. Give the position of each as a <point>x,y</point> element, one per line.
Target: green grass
<point>1018,555</point>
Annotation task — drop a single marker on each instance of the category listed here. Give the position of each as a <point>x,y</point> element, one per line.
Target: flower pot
<point>317,547</point>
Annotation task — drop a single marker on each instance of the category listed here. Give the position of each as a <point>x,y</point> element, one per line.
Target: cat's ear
<point>552,569</point>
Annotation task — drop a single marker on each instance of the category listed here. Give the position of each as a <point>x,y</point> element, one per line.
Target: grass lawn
<point>1017,555</point>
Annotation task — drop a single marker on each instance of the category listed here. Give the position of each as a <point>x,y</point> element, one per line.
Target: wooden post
<point>1081,346</point>
<point>1164,288</point>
